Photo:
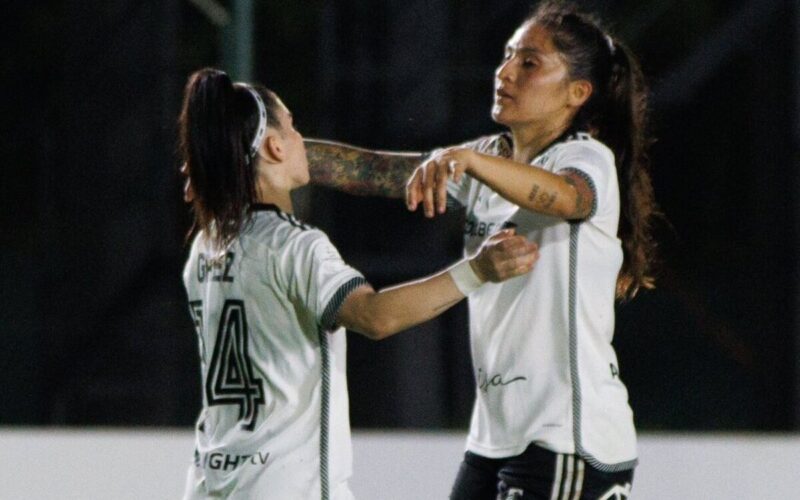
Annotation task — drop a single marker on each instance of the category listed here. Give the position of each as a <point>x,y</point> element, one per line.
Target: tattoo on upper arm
<point>542,200</point>
<point>360,172</point>
<point>546,199</point>
<point>534,191</point>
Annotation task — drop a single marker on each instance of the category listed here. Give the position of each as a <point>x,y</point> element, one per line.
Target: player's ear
<point>579,92</point>
<point>274,148</point>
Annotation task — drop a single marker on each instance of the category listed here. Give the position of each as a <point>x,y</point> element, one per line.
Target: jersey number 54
<point>230,379</point>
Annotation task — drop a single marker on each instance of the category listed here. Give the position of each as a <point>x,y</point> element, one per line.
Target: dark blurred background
<point>94,320</point>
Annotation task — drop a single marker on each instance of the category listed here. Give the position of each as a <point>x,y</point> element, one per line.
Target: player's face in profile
<point>532,81</point>
<point>295,148</point>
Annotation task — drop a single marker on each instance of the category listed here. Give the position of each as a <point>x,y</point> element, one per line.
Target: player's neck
<point>530,140</point>
<point>278,197</point>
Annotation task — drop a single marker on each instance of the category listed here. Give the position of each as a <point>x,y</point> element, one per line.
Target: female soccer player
<point>551,417</point>
<point>267,294</point>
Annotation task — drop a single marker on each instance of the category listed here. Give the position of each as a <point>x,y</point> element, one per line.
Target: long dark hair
<point>217,124</point>
<point>617,114</point>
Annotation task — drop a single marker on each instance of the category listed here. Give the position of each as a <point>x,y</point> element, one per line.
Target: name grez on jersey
<point>215,268</point>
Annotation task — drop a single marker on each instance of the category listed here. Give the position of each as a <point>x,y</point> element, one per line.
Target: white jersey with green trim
<point>274,423</point>
<point>541,343</point>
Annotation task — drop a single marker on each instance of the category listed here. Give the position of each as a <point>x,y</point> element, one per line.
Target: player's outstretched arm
<point>360,171</point>
<point>381,314</point>
<point>567,195</point>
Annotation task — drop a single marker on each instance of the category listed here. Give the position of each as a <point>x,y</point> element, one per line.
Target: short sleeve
<point>320,278</point>
<point>590,160</point>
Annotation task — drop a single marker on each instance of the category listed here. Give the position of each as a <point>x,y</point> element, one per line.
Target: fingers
<point>414,190</point>
<point>516,252</point>
<point>443,173</point>
<point>428,183</point>
<point>504,233</point>
<point>516,266</point>
<point>527,260</point>
<point>506,256</point>
<point>513,245</point>
<point>434,190</point>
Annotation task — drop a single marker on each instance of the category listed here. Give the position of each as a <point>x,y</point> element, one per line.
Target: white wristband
<point>464,277</point>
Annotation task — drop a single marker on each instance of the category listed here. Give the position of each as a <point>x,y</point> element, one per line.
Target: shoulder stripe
<point>324,416</point>
<point>573,364</point>
<point>332,309</point>
<point>328,318</point>
<point>291,219</point>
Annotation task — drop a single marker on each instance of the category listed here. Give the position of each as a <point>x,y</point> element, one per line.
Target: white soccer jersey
<point>274,423</point>
<point>541,343</point>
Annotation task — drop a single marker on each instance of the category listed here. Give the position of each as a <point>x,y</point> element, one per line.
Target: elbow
<point>577,201</point>
<point>371,316</point>
<point>378,328</point>
<point>369,324</point>
<point>566,207</point>
<point>560,210</point>
<point>566,212</point>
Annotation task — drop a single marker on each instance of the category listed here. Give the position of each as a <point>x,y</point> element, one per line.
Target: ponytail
<point>217,124</point>
<point>616,113</point>
<point>623,128</point>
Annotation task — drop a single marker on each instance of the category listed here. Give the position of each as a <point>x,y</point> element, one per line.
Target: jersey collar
<point>564,137</point>
<point>264,207</point>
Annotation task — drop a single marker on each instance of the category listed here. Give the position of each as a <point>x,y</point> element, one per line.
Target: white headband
<point>262,122</point>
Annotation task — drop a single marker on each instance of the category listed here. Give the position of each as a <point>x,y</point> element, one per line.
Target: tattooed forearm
<point>359,171</point>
